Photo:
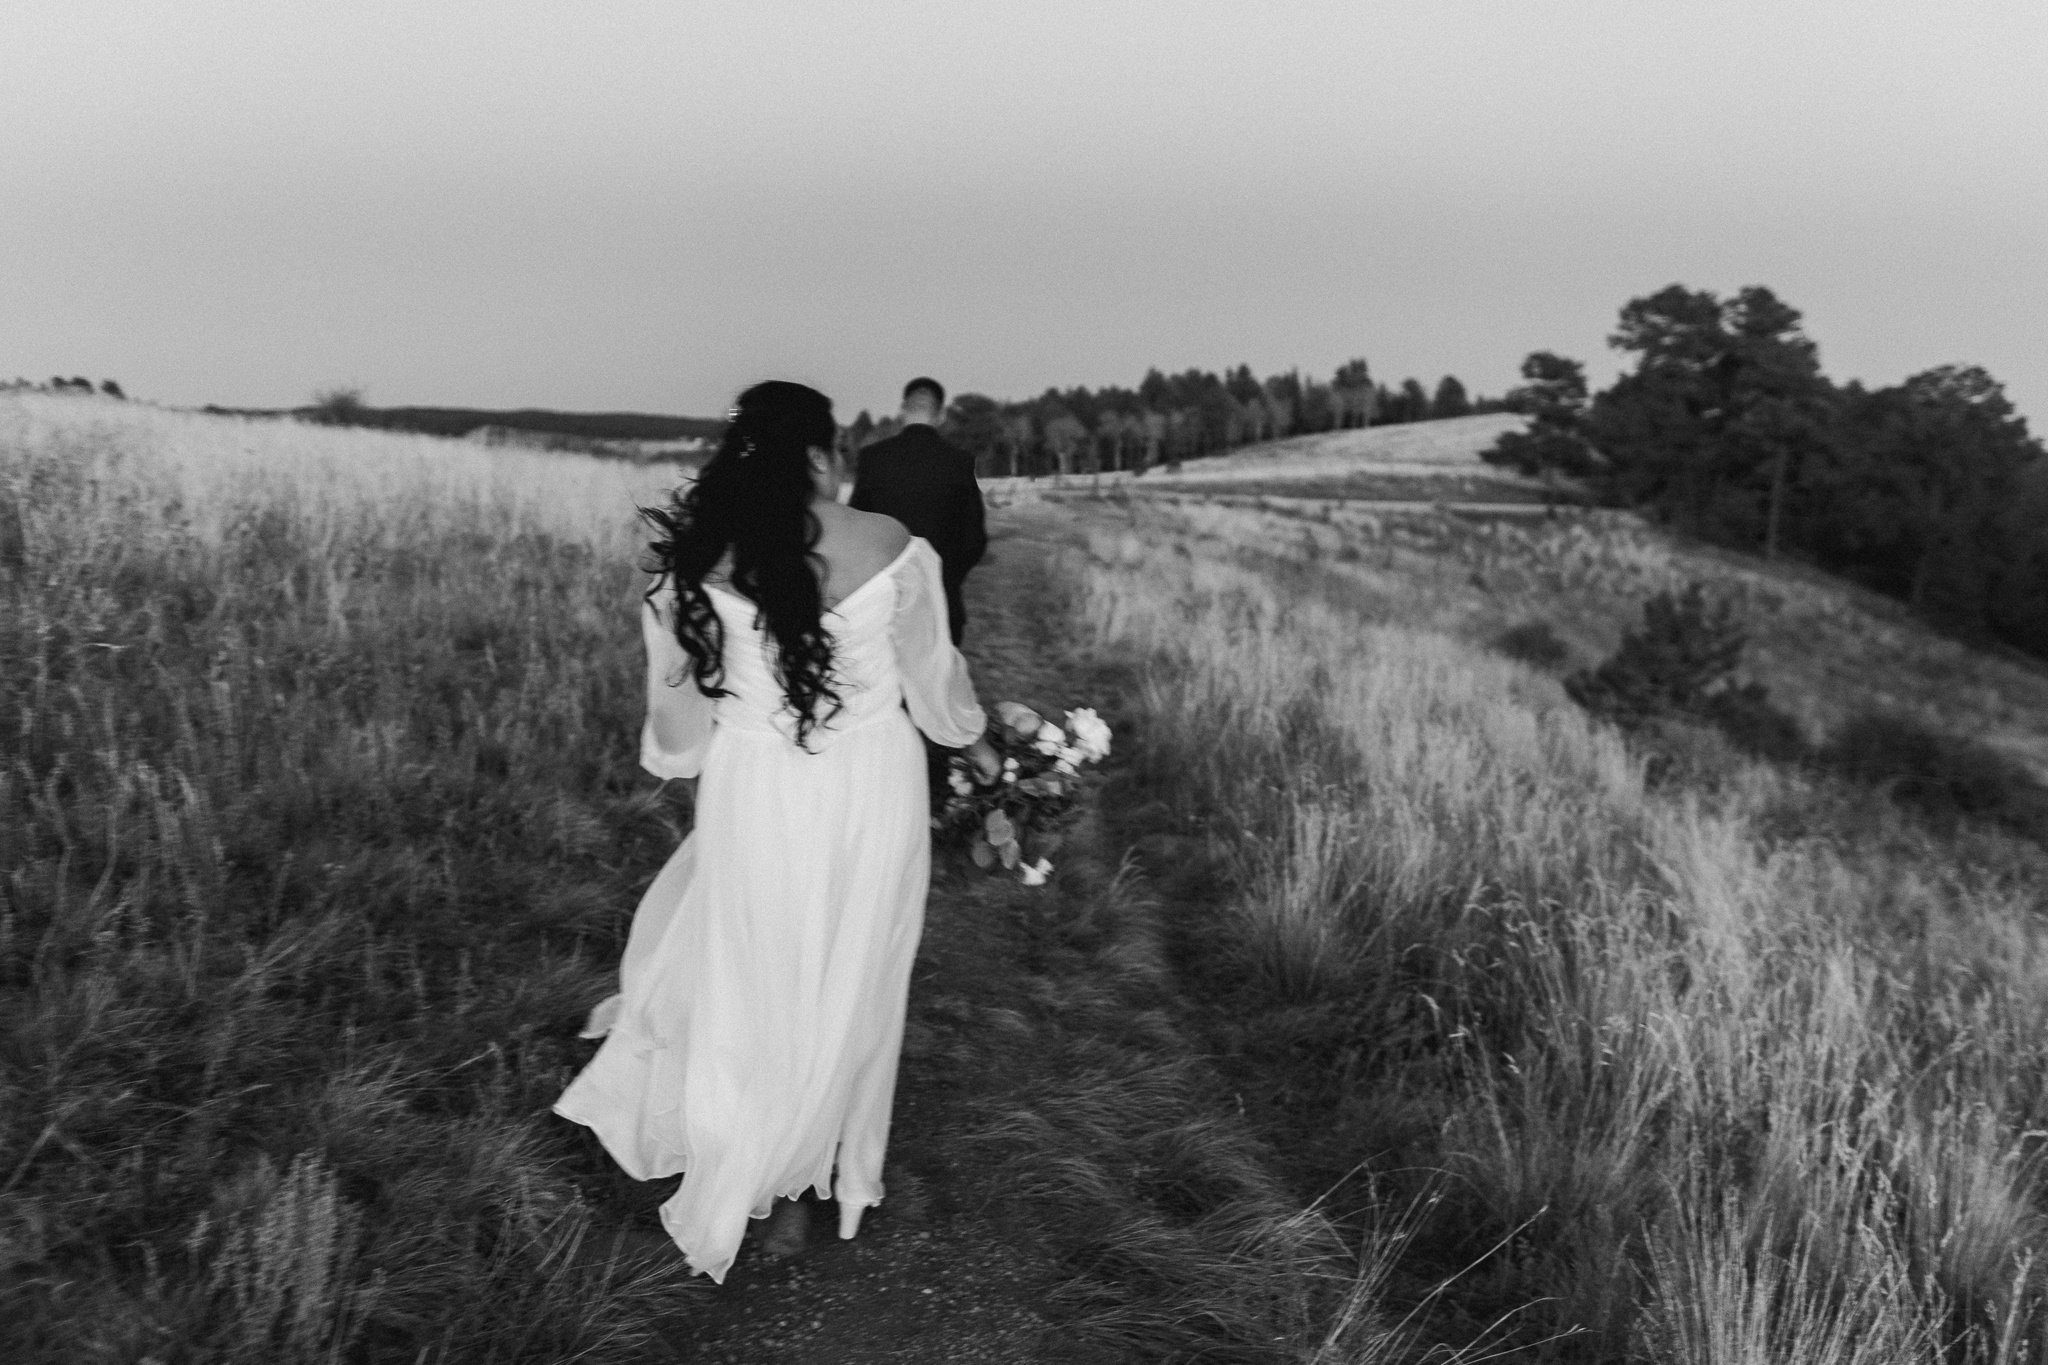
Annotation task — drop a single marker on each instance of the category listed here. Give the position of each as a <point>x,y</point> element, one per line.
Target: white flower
<point>1051,739</point>
<point>1066,766</point>
<point>1091,733</point>
<point>1071,754</point>
<point>1009,765</point>
<point>960,783</point>
<point>1034,874</point>
<point>1010,775</point>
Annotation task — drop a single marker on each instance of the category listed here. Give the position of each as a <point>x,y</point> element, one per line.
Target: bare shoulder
<point>885,534</point>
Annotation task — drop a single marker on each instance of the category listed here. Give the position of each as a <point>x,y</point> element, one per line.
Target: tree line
<point>59,384</point>
<point>1931,490</point>
<point>1168,418</point>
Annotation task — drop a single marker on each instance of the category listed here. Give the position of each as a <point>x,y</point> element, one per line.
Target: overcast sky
<point>648,205</point>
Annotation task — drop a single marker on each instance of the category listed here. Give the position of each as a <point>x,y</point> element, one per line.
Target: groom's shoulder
<point>936,446</point>
<point>900,446</point>
<point>916,446</point>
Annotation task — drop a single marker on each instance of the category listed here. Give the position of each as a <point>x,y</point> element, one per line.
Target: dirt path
<point>936,1274</point>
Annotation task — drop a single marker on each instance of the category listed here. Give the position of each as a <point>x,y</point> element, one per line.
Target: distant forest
<point>1170,418</point>
<point>1930,490</point>
<point>575,430</point>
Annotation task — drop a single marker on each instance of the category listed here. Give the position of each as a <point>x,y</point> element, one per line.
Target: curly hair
<point>753,498</point>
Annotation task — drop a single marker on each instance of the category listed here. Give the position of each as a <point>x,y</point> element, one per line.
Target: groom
<point>927,484</point>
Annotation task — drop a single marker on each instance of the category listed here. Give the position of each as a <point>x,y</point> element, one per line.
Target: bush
<point>343,407</point>
<point>1684,653</point>
<point>1681,662</point>
<point>1938,774</point>
<point>1533,642</point>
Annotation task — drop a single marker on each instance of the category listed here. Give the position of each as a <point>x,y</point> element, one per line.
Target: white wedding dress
<point>753,1043</point>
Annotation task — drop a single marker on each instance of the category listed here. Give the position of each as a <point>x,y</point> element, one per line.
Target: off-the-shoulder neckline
<point>865,583</point>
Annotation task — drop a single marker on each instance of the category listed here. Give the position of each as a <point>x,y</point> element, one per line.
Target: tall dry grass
<point>1826,650</point>
<point>1736,1071</point>
<point>316,815</point>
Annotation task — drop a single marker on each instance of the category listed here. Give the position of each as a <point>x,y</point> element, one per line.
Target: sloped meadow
<point>1711,1062</point>
<point>318,812</point>
<point>317,806</point>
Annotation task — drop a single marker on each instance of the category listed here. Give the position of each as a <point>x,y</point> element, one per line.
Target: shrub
<point>342,407</point>
<point>1939,774</point>
<point>1681,662</point>
<point>1685,651</point>
<point>1533,642</point>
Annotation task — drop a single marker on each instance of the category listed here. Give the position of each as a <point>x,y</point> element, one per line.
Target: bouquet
<point>1015,821</point>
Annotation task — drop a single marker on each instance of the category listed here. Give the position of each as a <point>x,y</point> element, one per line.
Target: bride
<point>795,647</point>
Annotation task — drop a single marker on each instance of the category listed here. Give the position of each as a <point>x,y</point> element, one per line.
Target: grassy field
<point>1448,446</point>
<point>311,852</point>
<point>319,826</point>
<point>1458,489</point>
<point>1690,1057</point>
<point>1387,1009</point>
<point>1434,461</point>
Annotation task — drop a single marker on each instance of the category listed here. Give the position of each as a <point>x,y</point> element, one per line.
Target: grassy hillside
<point>1688,1057</point>
<point>312,847</point>
<point>1434,461</point>
<point>1387,1002</point>
<point>1451,445</point>
<point>319,826</point>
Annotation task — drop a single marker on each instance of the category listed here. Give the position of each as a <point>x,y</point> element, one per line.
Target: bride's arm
<point>679,717</point>
<point>936,684</point>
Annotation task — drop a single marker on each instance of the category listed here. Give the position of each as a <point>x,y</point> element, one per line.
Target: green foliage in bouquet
<point>1015,822</point>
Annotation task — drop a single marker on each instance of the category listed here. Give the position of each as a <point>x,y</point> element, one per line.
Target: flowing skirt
<point>754,1041</point>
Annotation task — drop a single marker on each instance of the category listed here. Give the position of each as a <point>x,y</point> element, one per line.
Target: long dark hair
<point>753,497</point>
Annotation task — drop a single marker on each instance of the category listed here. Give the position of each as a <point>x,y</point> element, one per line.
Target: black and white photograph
<point>738,683</point>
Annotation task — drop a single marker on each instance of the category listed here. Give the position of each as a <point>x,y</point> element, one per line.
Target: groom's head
<point>924,400</point>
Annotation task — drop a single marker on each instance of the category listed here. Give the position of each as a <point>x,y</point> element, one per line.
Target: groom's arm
<point>973,521</point>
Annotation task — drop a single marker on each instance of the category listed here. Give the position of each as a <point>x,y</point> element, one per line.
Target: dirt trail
<point>933,1276</point>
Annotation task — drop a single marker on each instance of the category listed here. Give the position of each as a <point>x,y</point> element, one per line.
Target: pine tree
<point>1450,400</point>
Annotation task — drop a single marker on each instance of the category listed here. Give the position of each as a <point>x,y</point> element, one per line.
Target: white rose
<point>1034,874</point>
<point>1091,733</point>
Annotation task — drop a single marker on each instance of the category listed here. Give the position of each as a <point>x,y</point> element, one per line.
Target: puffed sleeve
<point>935,680</point>
<point>679,717</point>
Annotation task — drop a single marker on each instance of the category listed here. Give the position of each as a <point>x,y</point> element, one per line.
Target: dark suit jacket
<point>928,485</point>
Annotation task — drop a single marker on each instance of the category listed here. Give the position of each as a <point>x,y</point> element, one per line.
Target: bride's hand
<point>988,764</point>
